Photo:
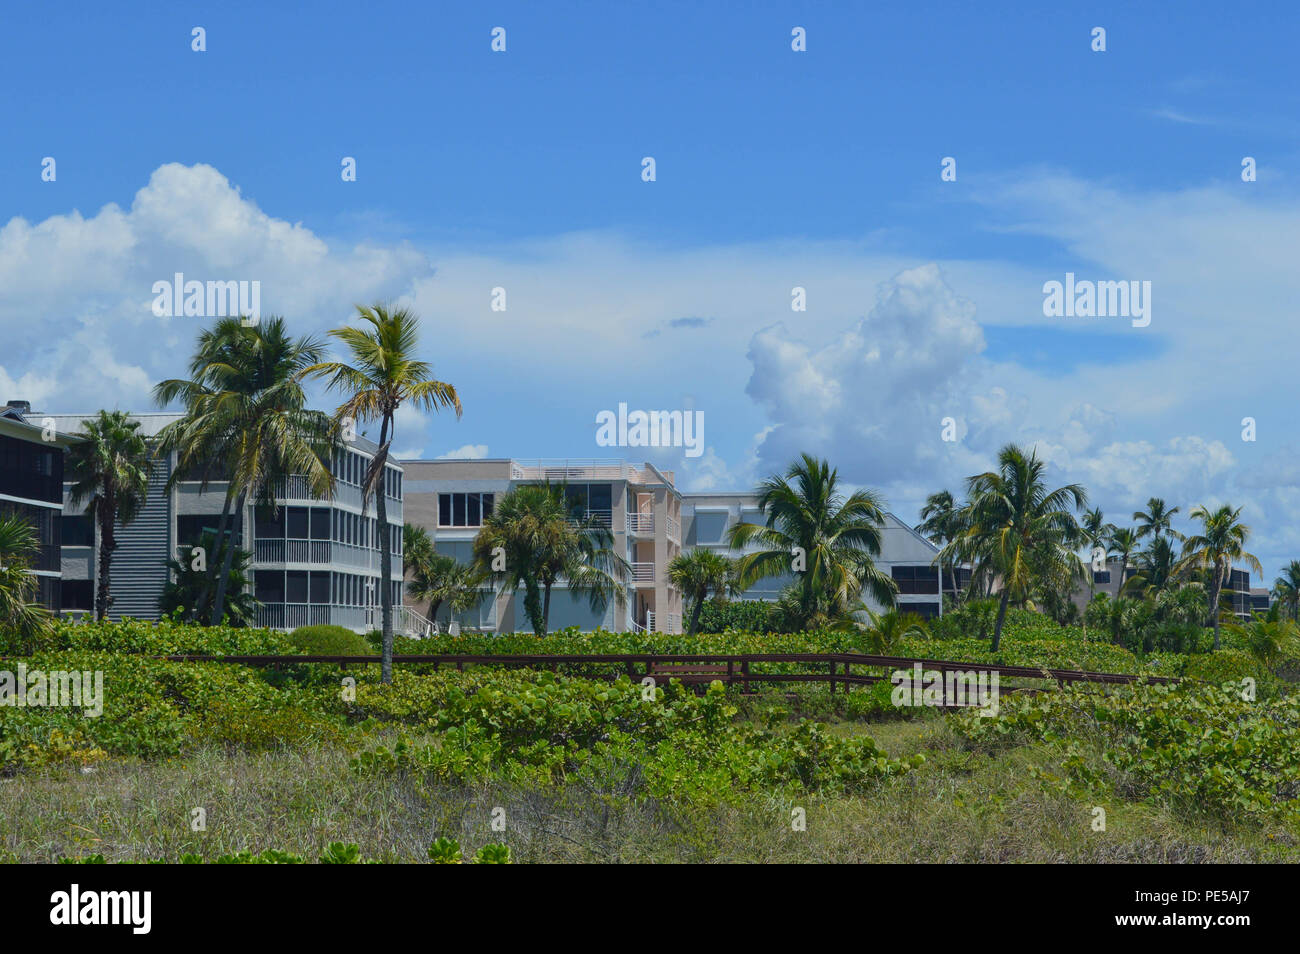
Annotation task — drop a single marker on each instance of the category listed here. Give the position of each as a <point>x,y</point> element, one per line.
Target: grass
<point>959,807</point>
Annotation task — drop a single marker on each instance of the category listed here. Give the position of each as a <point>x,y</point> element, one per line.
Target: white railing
<point>674,530</point>
<point>412,623</point>
<point>601,518</point>
<point>301,551</point>
<point>643,572</point>
<point>674,623</point>
<point>561,470</point>
<point>641,523</point>
<point>650,621</point>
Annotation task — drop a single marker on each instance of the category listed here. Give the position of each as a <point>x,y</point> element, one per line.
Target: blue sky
<point>775,169</point>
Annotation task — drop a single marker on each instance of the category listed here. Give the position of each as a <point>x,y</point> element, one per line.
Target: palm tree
<point>110,474</point>
<point>1157,566</point>
<point>941,522</point>
<point>188,595</point>
<point>885,630</point>
<point>1270,639</point>
<point>1286,589</point>
<point>543,542</point>
<point>247,417</point>
<point>22,619</point>
<point>383,375</point>
<point>1096,536</point>
<point>1221,542</point>
<point>828,541</point>
<point>439,579</point>
<point>1155,520</point>
<point>1123,540</point>
<point>1022,529</point>
<point>697,574</point>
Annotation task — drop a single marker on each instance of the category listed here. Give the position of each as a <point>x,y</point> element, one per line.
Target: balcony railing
<point>674,530</point>
<point>641,523</point>
<point>559,471</point>
<point>601,518</point>
<point>643,573</point>
<point>321,553</point>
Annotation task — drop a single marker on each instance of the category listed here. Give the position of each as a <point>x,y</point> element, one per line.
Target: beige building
<point>639,505</point>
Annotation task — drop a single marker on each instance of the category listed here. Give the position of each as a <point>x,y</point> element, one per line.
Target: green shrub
<point>744,615</point>
<point>162,638</point>
<point>329,641</point>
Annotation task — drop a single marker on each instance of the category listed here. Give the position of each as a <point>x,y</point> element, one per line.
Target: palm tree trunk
<point>546,607</point>
<point>695,614</point>
<point>1002,615</point>
<point>107,544</point>
<point>385,556</point>
<point>212,567</point>
<point>1214,605</point>
<point>219,601</point>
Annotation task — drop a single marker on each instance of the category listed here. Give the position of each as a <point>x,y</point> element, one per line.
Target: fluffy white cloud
<point>874,397</point>
<point>466,452</point>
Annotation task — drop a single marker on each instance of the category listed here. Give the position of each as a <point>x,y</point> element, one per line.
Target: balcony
<point>674,531</point>
<point>643,574</point>
<point>641,524</point>
<point>562,471</point>
<point>601,518</point>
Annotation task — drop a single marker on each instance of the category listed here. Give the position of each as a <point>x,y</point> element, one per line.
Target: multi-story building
<point>1237,591</point>
<point>639,506</point>
<point>314,560</point>
<point>906,555</point>
<point>31,486</point>
<point>650,522</point>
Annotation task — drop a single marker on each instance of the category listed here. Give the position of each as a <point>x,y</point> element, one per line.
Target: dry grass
<point>959,807</point>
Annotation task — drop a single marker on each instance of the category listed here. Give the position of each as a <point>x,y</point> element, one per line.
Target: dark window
<point>458,510</point>
<point>78,595</point>
<point>320,587</point>
<point>473,516</point>
<point>924,610</point>
<point>191,527</point>
<point>602,497</point>
<point>488,501</point>
<point>268,524</point>
<point>1101,576</point>
<point>295,586</point>
<point>78,531</point>
<point>297,523</point>
<point>268,585</point>
<point>916,579</point>
<point>31,470</point>
<point>444,510</point>
<point>320,523</point>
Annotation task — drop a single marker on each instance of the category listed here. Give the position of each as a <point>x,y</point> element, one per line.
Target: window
<point>268,585</point>
<point>78,531</point>
<point>268,524</point>
<point>916,579</point>
<point>1101,576</point>
<point>78,594</point>
<point>320,587</point>
<point>297,524</point>
<point>295,586</point>
<point>320,523</point>
<point>924,610</point>
<point>710,526</point>
<point>464,510</point>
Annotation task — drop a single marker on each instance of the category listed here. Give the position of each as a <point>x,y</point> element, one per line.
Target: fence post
<point>832,677</point>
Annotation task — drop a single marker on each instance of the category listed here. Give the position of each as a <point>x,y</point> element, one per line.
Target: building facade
<point>314,560</point>
<point>31,487</point>
<point>639,506</point>
<point>905,555</point>
<point>650,522</point>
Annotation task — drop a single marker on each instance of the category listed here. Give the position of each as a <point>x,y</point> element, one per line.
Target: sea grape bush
<point>1201,749</point>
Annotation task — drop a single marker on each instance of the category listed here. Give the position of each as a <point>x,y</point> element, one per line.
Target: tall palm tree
<point>1157,566</point>
<point>1021,528</point>
<point>188,596</point>
<point>827,539</point>
<point>110,475</point>
<point>1156,520</point>
<point>1123,540</point>
<point>1096,536</point>
<point>246,412</point>
<point>1221,542</point>
<point>697,574</point>
<point>941,522</point>
<point>383,375</point>
<point>22,619</point>
<point>1286,589</point>
<point>543,542</point>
